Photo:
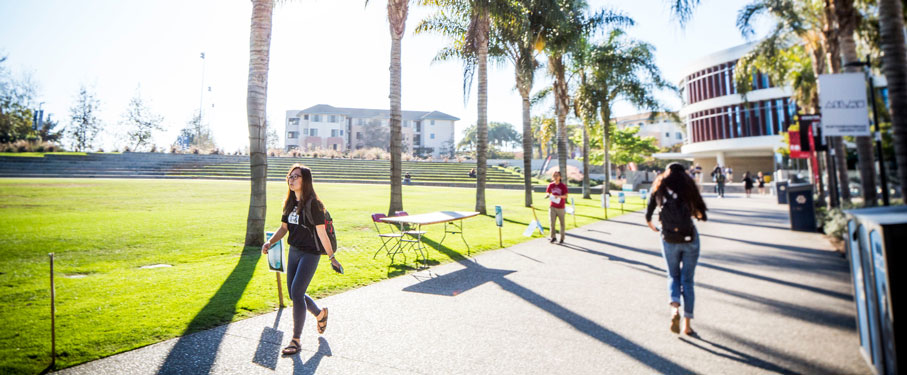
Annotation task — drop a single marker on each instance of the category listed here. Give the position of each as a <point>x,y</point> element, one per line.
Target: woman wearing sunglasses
<point>304,254</point>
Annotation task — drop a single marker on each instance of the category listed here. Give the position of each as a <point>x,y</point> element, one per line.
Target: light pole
<point>201,96</point>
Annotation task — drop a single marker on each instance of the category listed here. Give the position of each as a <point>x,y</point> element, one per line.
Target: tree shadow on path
<point>195,353</point>
<point>649,358</point>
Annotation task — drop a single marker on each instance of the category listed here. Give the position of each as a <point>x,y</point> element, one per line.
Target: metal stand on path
<point>279,289</point>
<point>53,333</point>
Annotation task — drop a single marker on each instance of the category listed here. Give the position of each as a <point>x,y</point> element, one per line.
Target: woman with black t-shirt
<point>304,254</point>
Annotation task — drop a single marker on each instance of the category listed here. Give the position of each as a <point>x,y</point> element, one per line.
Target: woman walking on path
<point>761,180</point>
<point>747,183</point>
<point>304,254</point>
<point>675,192</point>
<point>557,193</point>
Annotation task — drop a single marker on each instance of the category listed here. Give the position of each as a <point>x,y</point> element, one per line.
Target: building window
<point>432,136</point>
<point>668,135</point>
<point>679,135</point>
<point>406,123</point>
<point>334,146</point>
<point>313,132</point>
<point>334,132</point>
<point>293,121</point>
<point>291,135</point>
<point>360,121</point>
<point>305,117</point>
<point>332,118</point>
<point>432,122</point>
<point>358,136</point>
<point>316,118</point>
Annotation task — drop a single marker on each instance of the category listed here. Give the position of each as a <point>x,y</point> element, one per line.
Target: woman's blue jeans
<point>681,260</point>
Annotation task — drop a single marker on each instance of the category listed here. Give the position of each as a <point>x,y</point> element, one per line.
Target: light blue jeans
<point>681,260</point>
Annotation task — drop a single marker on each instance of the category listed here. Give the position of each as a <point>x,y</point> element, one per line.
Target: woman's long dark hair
<point>676,178</point>
<point>308,191</point>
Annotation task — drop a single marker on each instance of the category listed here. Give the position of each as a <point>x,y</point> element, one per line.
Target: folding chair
<point>386,237</point>
<point>417,234</point>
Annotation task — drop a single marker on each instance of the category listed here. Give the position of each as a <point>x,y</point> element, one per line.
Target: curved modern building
<point>723,128</point>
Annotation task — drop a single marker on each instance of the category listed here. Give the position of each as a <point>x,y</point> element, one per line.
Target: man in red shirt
<point>557,193</point>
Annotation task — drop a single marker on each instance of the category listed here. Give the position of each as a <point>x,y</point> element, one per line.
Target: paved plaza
<point>768,300</point>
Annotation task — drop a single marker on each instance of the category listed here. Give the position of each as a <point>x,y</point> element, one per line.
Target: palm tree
<point>620,69</point>
<point>848,17</point>
<point>397,10</point>
<point>792,54</point>
<point>468,24</point>
<point>570,25</point>
<point>894,62</point>
<point>256,103</point>
<point>520,33</point>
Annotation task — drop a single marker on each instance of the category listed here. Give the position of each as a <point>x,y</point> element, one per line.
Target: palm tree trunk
<point>833,61</point>
<point>527,146</point>
<point>561,99</point>
<point>396,16</point>
<point>894,63</point>
<point>256,104</point>
<point>482,117</point>
<point>847,20</point>
<point>587,194</point>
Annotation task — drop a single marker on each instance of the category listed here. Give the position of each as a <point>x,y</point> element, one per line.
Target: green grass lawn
<point>103,231</point>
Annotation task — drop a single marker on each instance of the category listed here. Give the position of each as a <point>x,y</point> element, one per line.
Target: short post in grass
<point>573,211</point>
<point>606,202</point>
<point>499,221</point>
<point>53,312</point>
<point>621,198</point>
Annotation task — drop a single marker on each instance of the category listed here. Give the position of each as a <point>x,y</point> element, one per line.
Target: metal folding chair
<point>390,237</point>
<point>417,234</point>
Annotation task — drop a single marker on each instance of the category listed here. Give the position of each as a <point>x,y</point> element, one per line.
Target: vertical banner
<point>275,255</point>
<point>643,193</point>
<point>842,98</point>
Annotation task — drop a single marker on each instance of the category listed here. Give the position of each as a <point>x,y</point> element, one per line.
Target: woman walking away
<point>557,193</point>
<point>675,192</point>
<point>761,180</point>
<point>747,183</point>
<point>304,252</point>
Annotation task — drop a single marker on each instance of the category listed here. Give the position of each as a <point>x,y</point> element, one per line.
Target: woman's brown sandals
<point>293,348</point>
<point>323,321</point>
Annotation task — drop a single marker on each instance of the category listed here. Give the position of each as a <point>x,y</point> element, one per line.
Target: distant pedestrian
<point>761,180</point>
<point>729,173</point>
<point>747,183</point>
<point>680,201</point>
<point>407,178</point>
<point>720,179</point>
<point>472,173</point>
<point>557,193</point>
<point>304,253</point>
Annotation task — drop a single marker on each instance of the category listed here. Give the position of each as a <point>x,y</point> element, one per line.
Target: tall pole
<point>883,177</point>
<point>201,96</point>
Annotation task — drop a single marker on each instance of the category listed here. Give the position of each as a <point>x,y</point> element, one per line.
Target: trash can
<point>873,234</point>
<point>802,210</point>
<point>781,190</point>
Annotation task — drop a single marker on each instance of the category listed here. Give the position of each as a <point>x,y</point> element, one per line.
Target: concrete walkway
<point>768,300</point>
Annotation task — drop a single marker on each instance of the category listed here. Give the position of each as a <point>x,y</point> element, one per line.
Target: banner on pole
<point>842,98</point>
<point>275,255</point>
<point>499,216</point>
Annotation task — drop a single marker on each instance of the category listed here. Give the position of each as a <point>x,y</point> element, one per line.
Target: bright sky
<point>333,52</point>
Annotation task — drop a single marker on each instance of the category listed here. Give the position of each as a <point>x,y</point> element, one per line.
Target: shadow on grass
<point>195,353</point>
